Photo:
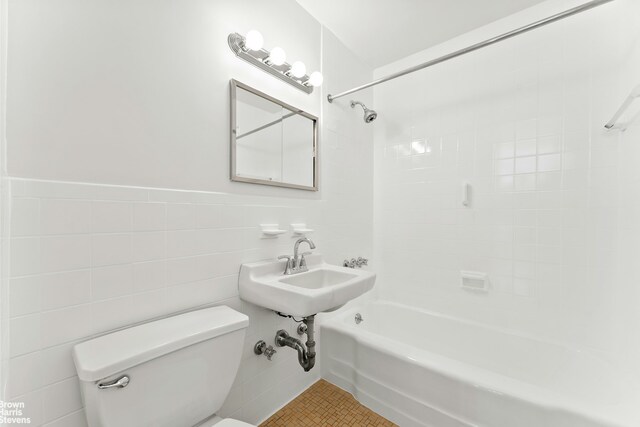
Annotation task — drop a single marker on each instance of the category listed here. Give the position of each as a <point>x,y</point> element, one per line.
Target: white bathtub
<point>423,369</point>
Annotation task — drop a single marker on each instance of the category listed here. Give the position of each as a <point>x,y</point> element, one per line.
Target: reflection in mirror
<point>272,143</point>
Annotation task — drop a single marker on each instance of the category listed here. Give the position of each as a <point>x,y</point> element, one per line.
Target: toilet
<point>173,372</point>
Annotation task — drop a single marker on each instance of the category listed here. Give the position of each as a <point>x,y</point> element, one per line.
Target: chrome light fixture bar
<point>263,59</point>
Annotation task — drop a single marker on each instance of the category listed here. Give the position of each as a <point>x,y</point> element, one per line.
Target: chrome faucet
<point>297,263</point>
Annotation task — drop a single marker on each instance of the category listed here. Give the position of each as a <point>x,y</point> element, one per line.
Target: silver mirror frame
<point>234,84</point>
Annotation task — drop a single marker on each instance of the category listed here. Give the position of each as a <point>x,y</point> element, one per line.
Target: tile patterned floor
<point>325,405</point>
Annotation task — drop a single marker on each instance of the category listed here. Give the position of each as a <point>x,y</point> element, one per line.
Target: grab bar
<point>611,124</point>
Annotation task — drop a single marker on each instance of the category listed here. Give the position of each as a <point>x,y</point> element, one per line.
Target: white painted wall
<point>137,94</point>
<point>128,104</point>
<point>522,121</point>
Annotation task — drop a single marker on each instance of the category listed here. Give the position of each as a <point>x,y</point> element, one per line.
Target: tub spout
<point>306,355</point>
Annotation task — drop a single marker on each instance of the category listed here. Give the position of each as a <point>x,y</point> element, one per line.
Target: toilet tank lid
<point>109,354</point>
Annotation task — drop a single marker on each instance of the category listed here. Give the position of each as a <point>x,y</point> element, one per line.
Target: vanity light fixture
<point>254,40</point>
<point>315,79</point>
<point>276,57</point>
<point>250,49</point>
<point>298,70</point>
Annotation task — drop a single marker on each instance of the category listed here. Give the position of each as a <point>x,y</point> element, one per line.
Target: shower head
<point>369,115</point>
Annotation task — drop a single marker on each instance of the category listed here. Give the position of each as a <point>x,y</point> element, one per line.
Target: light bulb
<point>277,56</point>
<point>298,69</point>
<point>315,79</point>
<point>254,40</point>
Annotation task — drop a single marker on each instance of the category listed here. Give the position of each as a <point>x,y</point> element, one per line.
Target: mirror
<point>272,143</point>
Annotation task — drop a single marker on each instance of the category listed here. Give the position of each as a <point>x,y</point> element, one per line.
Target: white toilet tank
<point>179,369</point>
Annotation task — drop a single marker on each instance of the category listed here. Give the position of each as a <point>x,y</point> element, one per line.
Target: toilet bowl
<point>173,372</point>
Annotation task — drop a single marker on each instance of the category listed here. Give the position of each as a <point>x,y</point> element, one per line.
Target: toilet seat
<point>227,422</point>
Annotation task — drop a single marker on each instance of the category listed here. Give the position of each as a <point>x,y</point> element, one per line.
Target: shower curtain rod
<point>488,42</point>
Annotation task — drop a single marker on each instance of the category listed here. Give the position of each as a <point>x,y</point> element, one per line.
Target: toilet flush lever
<point>121,382</point>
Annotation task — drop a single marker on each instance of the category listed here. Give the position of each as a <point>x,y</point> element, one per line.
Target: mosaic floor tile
<point>325,405</point>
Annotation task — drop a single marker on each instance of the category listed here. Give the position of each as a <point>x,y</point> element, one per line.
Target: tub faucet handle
<point>349,263</point>
<point>353,263</point>
<point>358,318</point>
<point>362,261</point>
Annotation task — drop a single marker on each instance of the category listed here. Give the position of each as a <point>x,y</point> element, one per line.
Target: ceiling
<point>383,31</point>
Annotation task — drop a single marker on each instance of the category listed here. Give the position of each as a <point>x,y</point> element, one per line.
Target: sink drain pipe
<point>306,355</point>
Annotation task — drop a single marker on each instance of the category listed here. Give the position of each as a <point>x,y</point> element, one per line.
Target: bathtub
<point>418,368</point>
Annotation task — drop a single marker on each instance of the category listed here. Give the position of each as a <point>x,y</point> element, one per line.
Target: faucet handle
<point>269,352</point>
<point>303,260</point>
<point>289,263</point>
<point>262,348</point>
<point>362,261</point>
<point>353,263</point>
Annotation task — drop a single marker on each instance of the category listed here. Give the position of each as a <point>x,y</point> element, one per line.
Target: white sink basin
<point>316,279</point>
<point>324,287</point>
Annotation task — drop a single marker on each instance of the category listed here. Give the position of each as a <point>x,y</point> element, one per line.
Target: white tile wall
<point>99,271</point>
<point>627,297</point>
<point>522,122</point>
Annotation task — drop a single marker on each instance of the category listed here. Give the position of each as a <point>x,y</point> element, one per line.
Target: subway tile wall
<point>86,259</point>
<point>89,259</point>
<point>522,123</point>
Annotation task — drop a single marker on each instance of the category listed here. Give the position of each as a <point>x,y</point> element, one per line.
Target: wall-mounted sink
<point>324,287</point>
